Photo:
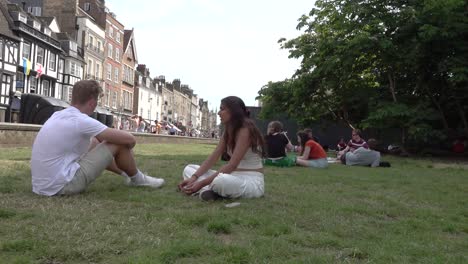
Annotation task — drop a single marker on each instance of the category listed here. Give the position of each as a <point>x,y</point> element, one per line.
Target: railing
<point>32,31</point>
<point>95,49</point>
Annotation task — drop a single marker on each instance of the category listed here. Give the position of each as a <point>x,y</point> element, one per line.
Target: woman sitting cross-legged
<point>242,176</point>
<point>312,154</point>
<point>277,142</point>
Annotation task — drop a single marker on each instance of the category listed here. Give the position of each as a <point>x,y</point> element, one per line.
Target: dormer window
<point>73,46</point>
<point>87,6</point>
<point>36,25</point>
<point>22,17</point>
<point>47,31</point>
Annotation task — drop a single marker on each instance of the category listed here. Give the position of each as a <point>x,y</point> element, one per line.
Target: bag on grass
<point>283,162</point>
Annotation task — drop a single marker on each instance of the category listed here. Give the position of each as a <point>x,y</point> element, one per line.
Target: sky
<point>217,47</point>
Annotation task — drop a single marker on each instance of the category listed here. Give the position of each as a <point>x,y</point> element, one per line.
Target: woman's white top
<point>250,161</point>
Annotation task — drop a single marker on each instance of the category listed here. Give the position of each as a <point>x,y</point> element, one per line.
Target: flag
<point>26,66</point>
<point>39,70</point>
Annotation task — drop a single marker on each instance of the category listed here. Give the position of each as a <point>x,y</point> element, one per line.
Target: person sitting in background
<point>277,142</point>
<point>459,145</point>
<point>363,156</point>
<point>312,154</point>
<point>355,143</point>
<point>308,131</point>
<point>341,145</point>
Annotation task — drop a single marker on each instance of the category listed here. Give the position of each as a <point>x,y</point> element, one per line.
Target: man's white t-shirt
<point>62,140</point>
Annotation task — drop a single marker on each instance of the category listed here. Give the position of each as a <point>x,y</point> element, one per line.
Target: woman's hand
<point>186,182</point>
<point>193,187</point>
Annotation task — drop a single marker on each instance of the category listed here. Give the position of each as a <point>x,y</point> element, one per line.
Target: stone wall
<point>23,135</point>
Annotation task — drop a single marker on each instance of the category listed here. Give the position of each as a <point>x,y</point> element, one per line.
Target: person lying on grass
<point>242,176</point>
<point>72,149</point>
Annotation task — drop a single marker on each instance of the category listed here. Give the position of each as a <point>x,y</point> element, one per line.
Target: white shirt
<point>62,140</point>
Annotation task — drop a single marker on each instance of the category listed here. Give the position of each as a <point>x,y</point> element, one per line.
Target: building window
<point>70,93</point>
<point>89,69</point>
<point>116,75</point>
<point>99,44</point>
<point>111,31</point>
<point>60,66</point>
<point>27,50</point>
<point>97,69</point>
<point>91,41</point>
<point>46,88</point>
<point>109,71</point>
<point>87,6</point>
<point>48,32</point>
<point>32,84</point>
<point>114,100</point>
<point>20,82</point>
<point>73,68</point>
<point>109,50</point>
<point>73,46</point>
<point>1,49</point>
<point>35,10</point>
<point>40,55</point>
<point>107,96</point>
<point>117,54</point>
<point>117,37</point>
<point>36,25</point>
<point>5,88</point>
<point>23,18</point>
<point>52,61</point>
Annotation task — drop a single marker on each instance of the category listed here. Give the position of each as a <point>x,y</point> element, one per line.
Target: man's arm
<point>117,137</point>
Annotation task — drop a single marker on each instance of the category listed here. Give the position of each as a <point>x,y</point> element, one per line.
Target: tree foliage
<point>379,64</point>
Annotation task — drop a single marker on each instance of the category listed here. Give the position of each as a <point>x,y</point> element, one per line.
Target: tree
<point>380,64</point>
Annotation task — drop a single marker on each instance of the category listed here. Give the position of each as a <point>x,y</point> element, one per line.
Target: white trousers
<point>245,184</point>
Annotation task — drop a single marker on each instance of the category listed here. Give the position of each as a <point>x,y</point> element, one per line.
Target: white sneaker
<point>145,180</point>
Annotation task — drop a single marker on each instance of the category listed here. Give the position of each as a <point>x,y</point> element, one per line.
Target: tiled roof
<point>5,28</point>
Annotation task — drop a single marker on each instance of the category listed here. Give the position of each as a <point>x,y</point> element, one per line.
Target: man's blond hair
<point>85,90</point>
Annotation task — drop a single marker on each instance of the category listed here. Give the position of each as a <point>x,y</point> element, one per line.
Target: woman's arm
<point>343,151</point>
<point>191,185</point>
<point>289,146</point>
<point>305,155</point>
<point>212,159</point>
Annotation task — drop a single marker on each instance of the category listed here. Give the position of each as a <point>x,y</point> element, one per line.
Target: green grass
<point>413,212</point>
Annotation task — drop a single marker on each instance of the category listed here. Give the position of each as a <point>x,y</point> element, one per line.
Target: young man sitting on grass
<point>72,149</point>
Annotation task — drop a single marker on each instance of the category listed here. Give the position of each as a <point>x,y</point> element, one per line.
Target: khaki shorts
<point>92,164</point>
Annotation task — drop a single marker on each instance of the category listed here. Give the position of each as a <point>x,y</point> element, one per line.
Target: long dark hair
<point>240,117</point>
<point>304,136</point>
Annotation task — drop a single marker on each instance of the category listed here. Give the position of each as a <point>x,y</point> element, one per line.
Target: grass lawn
<point>415,211</point>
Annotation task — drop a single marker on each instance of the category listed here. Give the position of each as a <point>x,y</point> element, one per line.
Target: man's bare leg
<point>113,166</point>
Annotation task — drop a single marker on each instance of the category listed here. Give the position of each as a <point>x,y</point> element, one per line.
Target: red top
<point>316,151</point>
